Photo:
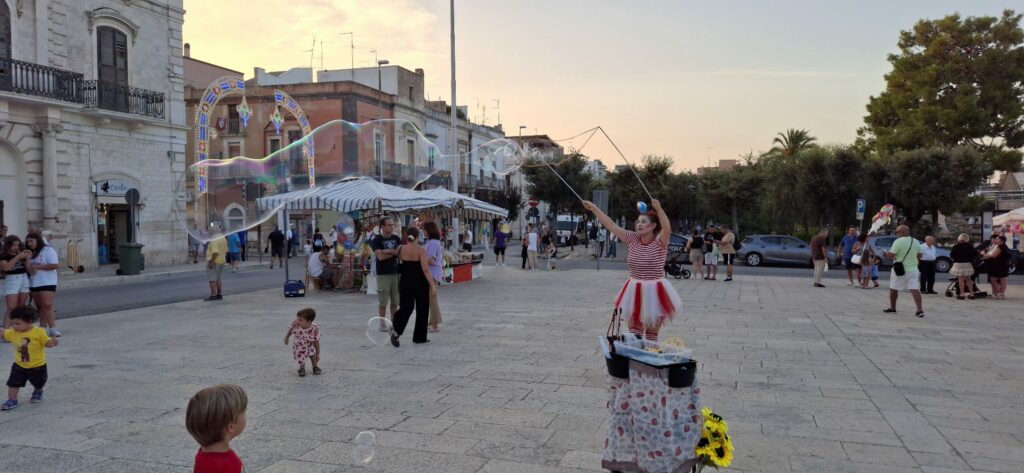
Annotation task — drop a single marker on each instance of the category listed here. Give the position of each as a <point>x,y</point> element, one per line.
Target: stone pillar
<point>50,130</point>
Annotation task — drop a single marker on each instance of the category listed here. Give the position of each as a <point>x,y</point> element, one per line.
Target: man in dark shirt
<point>276,243</point>
<point>710,261</point>
<point>385,248</point>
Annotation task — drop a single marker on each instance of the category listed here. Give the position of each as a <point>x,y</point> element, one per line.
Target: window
<point>295,158</point>
<point>431,153</point>
<point>5,37</point>
<point>112,68</point>
<point>234,122</point>
<point>234,149</point>
<point>235,217</point>
<point>275,145</point>
<point>378,152</point>
<point>410,94</point>
<point>410,149</point>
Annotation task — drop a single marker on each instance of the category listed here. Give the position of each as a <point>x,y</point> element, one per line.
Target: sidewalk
<point>809,381</point>
<point>107,275</point>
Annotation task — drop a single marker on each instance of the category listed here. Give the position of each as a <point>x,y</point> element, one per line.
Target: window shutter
<point>5,31</point>
<point>121,57</point>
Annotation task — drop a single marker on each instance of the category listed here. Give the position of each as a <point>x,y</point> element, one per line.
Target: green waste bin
<point>129,256</point>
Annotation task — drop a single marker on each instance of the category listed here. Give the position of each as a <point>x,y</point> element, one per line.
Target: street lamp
<point>380,105</point>
<point>886,185</point>
<point>693,203</point>
<point>520,171</point>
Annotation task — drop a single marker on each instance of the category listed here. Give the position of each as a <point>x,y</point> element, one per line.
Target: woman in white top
<point>42,270</point>
<point>532,246</point>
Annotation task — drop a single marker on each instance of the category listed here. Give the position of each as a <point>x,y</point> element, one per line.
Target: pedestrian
<point>234,257</point>
<point>710,253</point>
<point>524,242</point>
<point>695,247</point>
<point>531,246</point>
<point>293,241</point>
<point>468,242</point>
<point>612,244</point>
<point>997,265</point>
<point>647,299</point>
<point>215,260</point>
<point>500,242</point>
<point>591,235</point>
<point>819,255</point>
<point>16,281</point>
<point>42,270</point>
<point>214,417</point>
<point>417,284</point>
<point>866,251</point>
<point>927,265</point>
<point>319,267</point>
<point>385,247</point>
<point>905,274</point>
<point>728,250</point>
<point>276,241</point>
<point>435,260</point>
<point>193,245</point>
<point>243,240</point>
<point>846,246</point>
<point>30,343</point>
<point>306,344</point>
<point>962,255</point>
<point>602,235</point>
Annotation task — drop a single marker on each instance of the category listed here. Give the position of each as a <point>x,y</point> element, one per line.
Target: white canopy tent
<point>366,194</point>
<point>1009,218</point>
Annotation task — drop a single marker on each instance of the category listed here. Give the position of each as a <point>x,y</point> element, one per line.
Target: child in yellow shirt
<point>29,365</point>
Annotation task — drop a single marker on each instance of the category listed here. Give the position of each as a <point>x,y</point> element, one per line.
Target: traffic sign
<point>533,202</point>
<point>861,208</point>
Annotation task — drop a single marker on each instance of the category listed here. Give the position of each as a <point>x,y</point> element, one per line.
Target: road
<point>97,300</point>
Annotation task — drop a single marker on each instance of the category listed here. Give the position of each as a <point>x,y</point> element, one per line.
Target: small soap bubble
<point>364,448</point>
<point>642,207</point>
<point>378,331</point>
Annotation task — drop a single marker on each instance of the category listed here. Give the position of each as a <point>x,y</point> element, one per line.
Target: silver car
<point>756,250</point>
<point>883,244</point>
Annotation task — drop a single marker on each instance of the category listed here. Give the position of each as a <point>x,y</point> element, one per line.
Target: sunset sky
<point>697,81</point>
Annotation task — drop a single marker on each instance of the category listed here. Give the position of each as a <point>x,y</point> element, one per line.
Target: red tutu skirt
<point>648,302</point>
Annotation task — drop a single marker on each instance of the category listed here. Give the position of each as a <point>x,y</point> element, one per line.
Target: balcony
<point>40,81</point>
<point>123,99</point>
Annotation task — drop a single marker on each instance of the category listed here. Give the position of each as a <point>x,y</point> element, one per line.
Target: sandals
<point>302,371</point>
<point>394,341</point>
<point>919,313</point>
<point>889,311</point>
<point>316,370</point>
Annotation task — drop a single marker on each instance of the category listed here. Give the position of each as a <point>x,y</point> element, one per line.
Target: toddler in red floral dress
<point>306,345</point>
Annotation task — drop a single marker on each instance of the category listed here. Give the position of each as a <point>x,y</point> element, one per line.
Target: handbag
<point>618,365</point>
<point>859,257</point>
<point>897,267</point>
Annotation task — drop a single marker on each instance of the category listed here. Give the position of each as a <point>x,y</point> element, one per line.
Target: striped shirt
<point>645,262</point>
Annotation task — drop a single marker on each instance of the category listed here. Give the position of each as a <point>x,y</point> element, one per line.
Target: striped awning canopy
<point>367,194</point>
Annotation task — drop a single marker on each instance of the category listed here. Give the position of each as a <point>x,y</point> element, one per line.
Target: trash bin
<point>130,258</point>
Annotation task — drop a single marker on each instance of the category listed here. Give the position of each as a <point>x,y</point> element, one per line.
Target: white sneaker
<point>53,332</point>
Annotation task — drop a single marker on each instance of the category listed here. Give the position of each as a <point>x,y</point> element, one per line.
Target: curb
<point>115,280</point>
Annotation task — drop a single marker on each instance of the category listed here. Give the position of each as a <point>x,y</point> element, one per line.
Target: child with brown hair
<point>306,345</point>
<point>214,417</point>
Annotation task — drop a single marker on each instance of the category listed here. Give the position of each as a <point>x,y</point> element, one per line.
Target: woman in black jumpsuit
<point>414,288</point>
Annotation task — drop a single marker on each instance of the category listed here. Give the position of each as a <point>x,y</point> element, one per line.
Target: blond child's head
<point>216,414</point>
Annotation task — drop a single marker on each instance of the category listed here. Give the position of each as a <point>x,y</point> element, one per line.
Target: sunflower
<point>714,422</point>
<point>720,454</point>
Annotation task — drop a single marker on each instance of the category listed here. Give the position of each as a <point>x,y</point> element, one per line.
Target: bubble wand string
<point>563,181</point>
<point>631,167</point>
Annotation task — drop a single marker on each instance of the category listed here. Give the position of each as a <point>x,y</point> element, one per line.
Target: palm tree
<point>793,141</point>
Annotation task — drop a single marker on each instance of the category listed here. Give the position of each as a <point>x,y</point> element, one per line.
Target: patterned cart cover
<point>654,428</point>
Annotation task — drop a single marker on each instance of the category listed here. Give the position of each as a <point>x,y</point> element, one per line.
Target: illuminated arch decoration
<point>282,99</point>
<point>218,89</point>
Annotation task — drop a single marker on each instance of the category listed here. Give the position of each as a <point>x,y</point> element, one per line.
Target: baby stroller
<point>674,267</point>
<point>953,290</point>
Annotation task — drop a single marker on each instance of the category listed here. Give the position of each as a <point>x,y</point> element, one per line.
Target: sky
<point>697,81</point>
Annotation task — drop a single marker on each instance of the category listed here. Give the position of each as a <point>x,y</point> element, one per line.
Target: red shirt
<point>218,462</point>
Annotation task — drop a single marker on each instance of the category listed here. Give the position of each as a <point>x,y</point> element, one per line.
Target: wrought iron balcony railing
<point>124,99</point>
<point>41,81</point>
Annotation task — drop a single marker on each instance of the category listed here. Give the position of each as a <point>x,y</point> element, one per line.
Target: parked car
<point>756,250</point>
<point>884,243</point>
<point>676,245</point>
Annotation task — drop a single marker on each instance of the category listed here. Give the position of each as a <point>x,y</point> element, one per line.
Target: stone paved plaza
<point>810,380</point>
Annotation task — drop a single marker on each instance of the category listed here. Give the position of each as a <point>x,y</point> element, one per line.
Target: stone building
<point>90,107</point>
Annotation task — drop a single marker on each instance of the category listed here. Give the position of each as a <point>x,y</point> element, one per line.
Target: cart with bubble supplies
<point>654,404</point>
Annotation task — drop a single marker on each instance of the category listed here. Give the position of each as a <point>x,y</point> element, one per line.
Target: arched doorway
<point>12,191</point>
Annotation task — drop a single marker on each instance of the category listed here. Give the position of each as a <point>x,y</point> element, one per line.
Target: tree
<point>731,191</point>
<point>928,181</point>
<point>543,184</point>
<point>955,82</point>
<point>793,141</point>
<point>511,198</point>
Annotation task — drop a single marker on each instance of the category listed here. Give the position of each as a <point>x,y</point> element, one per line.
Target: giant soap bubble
<point>228,194</point>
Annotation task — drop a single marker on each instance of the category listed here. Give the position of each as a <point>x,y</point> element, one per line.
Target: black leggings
<point>413,293</point>
<point>525,255</point>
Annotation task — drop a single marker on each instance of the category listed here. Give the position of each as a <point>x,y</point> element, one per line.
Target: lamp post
<point>886,185</point>
<point>380,105</point>
<point>520,171</point>
<point>453,139</point>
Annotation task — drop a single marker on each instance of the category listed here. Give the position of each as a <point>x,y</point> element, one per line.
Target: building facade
<point>91,107</point>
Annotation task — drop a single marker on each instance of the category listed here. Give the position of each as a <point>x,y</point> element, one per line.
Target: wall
<point>201,74</point>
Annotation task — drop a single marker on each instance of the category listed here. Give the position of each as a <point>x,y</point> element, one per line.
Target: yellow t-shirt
<point>28,346</point>
<point>219,246</point>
